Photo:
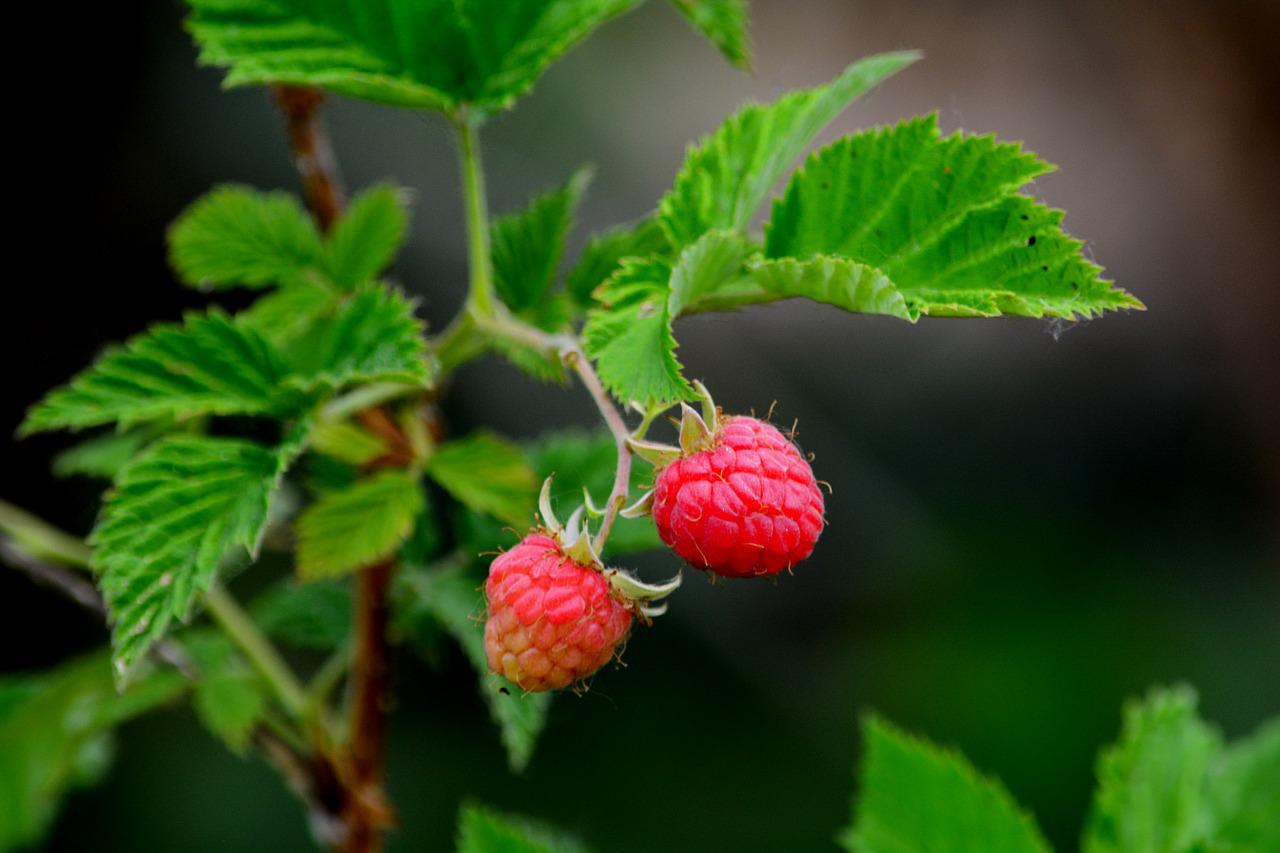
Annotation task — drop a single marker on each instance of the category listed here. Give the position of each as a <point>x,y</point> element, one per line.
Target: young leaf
<point>482,830</point>
<point>724,22</point>
<point>346,442</point>
<point>55,735</point>
<point>207,366</point>
<point>917,796</point>
<point>452,598</point>
<point>630,336</point>
<point>307,615</point>
<point>527,246</point>
<point>1151,783</point>
<point>285,314</point>
<point>238,237</point>
<point>230,698</point>
<point>1244,794</point>
<point>488,474</point>
<point>942,219</point>
<point>414,53</point>
<point>372,337</point>
<point>177,512</point>
<point>365,239</point>
<point>347,530</point>
<point>727,175</point>
<point>604,253</point>
<point>102,456</point>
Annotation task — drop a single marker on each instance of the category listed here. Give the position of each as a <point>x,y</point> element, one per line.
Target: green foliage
<point>235,236</point>
<point>177,512</point>
<point>346,442</point>
<point>287,313</point>
<point>365,238</point>
<point>724,22</point>
<point>101,456</point>
<point>358,526</point>
<point>604,253</point>
<point>207,366</point>
<point>451,598</point>
<point>942,219</point>
<point>314,615</point>
<point>482,830</point>
<point>487,474</point>
<point>55,735</point>
<point>727,175</point>
<point>229,697</point>
<point>438,54</point>
<point>916,796</point>
<point>1244,793</point>
<point>630,337</point>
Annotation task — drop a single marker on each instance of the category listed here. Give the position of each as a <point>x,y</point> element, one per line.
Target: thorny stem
<point>264,658</point>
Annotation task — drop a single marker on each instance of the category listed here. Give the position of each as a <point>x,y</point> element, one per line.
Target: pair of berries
<point>736,498</point>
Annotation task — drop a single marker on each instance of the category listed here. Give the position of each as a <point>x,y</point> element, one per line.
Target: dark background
<point>1028,525</point>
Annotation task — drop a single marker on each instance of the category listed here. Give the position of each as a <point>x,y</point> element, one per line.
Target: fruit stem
<point>257,649</point>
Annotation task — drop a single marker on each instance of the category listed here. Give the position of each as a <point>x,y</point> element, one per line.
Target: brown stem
<point>312,153</point>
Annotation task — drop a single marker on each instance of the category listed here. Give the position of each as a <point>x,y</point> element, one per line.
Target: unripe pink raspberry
<point>738,500</point>
<point>552,621</point>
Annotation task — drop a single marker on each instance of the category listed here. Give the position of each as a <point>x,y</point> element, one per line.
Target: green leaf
<point>358,526</point>
<point>102,456</point>
<point>207,366</point>
<point>579,459</point>
<point>413,53</point>
<point>942,219</point>
<point>724,22</point>
<point>346,442</point>
<point>528,246</point>
<point>285,314</point>
<point>177,512</point>
<point>488,474</point>
<point>372,337</point>
<point>630,336</point>
<point>1151,783</point>
<point>230,698</point>
<point>235,236</point>
<point>917,796</point>
<point>313,615</point>
<point>482,830</point>
<point>452,598</point>
<point>55,735</point>
<point>364,240</point>
<point>1244,794</point>
<point>604,253</point>
<point>727,175</point>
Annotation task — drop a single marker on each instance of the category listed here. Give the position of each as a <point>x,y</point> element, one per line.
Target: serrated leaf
<point>604,253</point>
<point>1152,782</point>
<point>358,526</point>
<point>177,512</point>
<point>727,176</point>
<point>452,598</point>
<point>207,366</point>
<point>365,238</point>
<point>414,53</point>
<point>528,245</point>
<point>287,313</point>
<point>488,474</point>
<point>916,796</point>
<point>373,336</point>
<point>313,615</point>
<point>230,699</point>
<point>724,22</point>
<point>942,219</point>
<point>346,442</point>
<point>1243,797</point>
<point>102,456</point>
<point>235,236</point>
<point>55,735</point>
<point>482,830</point>
<point>630,336</point>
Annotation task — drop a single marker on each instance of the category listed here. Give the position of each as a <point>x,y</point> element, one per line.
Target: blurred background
<point>1030,522</point>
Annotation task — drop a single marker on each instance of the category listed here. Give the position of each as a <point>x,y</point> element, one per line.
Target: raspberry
<point>552,620</point>
<point>746,505</point>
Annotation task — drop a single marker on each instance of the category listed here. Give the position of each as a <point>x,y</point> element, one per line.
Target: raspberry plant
<point>307,423</point>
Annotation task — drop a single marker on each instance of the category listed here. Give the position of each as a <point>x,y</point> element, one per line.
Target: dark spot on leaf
<point>826,185</point>
<point>504,691</point>
<point>1025,217</point>
<point>1075,286</point>
<point>1044,268</point>
<point>1031,241</point>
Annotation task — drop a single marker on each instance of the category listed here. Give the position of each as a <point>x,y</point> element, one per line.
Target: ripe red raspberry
<point>747,505</point>
<point>552,621</point>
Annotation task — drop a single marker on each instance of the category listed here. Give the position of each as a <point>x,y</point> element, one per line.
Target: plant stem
<point>480,297</point>
<point>43,540</point>
<point>257,649</point>
<point>312,153</point>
